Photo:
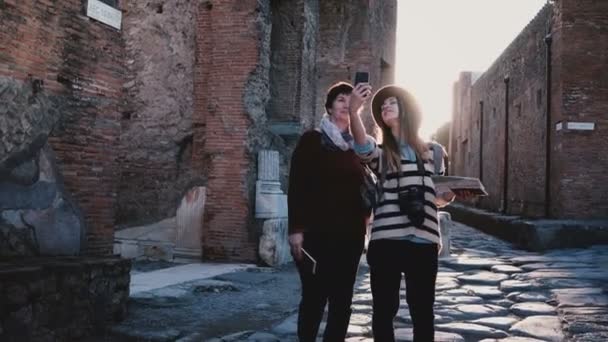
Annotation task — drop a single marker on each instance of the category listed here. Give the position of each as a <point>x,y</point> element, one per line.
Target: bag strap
<point>381,163</point>
<point>381,166</point>
<point>421,168</point>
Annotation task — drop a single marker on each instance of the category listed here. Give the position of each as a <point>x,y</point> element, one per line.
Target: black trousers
<point>388,260</point>
<point>332,285</point>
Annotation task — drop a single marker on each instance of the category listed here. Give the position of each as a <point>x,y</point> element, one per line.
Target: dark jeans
<point>388,259</point>
<point>333,282</point>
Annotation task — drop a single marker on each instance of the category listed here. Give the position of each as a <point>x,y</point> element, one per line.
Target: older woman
<point>327,218</point>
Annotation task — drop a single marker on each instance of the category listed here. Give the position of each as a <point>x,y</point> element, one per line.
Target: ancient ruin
<point>135,128</point>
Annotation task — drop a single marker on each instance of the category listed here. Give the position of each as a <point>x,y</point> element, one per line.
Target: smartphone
<point>361,77</point>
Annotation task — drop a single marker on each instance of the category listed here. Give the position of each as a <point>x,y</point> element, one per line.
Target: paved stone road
<point>489,291</point>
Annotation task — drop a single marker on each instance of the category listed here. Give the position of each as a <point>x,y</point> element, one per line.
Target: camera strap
<point>421,168</point>
<point>382,167</point>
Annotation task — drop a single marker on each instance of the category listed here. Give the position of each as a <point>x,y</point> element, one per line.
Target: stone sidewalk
<point>490,291</point>
<point>148,281</point>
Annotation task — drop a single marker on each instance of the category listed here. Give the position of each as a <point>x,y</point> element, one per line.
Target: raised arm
<point>360,95</point>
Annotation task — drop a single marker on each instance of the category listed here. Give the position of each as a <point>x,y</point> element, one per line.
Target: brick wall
<point>580,44</point>
<point>578,93</point>
<point>80,61</point>
<point>523,64</point>
<point>229,45</point>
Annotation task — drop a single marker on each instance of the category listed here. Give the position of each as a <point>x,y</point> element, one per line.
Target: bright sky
<point>436,39</point>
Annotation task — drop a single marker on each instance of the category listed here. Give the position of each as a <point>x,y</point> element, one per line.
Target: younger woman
<point>405,234</point>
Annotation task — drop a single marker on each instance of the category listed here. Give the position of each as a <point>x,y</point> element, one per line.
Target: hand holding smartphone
<point>361,92</point>
<point>361,77</point>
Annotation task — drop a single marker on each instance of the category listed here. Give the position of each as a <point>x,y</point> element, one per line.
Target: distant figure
<point>327,218</point>
<point>405,236</point>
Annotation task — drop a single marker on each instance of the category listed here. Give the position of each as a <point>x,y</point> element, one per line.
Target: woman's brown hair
<point>409,124</point>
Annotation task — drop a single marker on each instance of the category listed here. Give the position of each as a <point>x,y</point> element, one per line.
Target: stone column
<point>271,204</point>
<point>189,222</point>
<point>268,165</point>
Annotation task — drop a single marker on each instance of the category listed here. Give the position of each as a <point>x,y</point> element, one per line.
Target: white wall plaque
<point>581,126</point>
<point>104,13</point>
<point>559,126</point>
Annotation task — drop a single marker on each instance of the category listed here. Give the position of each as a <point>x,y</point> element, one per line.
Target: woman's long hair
<point>409,125</point>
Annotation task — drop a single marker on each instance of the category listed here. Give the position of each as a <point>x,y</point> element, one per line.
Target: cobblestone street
<point>490,291</point>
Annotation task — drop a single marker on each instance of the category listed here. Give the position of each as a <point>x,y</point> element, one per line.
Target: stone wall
<point>28,115</point>
<point>286,45</point>
<point>61,299</point>
<point>157,134</point>
<point>78,62</point>
<point>37,215</point>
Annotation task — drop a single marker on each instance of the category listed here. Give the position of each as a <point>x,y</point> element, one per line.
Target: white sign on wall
<point>104,13</point>
<point>581,126</point>
<point>575,126</point>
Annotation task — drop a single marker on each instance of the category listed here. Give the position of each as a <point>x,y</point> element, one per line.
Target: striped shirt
<point>389,222</point>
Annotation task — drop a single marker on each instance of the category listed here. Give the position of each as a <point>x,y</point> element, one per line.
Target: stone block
<point>154,241</point>
<point>58,229</point>
<point>270,202</point>
<point>26,173</point>
<point>12,218</point>
<point>17,240</point>
<point>271,206</point>
<point>157,250</point>
<point>189,222</point>
<point>36,196</point>
<point>274,247</point>
<point>28,118</point>
<point>187,255</point>
<point>128,249</point>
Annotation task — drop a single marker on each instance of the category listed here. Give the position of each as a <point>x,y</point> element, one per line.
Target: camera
<point>411,203</point>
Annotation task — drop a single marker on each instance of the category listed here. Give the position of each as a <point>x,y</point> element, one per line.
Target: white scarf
<point>343,141</point>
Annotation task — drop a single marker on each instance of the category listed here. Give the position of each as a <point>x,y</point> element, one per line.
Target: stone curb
<point>531,234</point>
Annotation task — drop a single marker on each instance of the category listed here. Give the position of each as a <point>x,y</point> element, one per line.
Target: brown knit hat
<point>382,94</point>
